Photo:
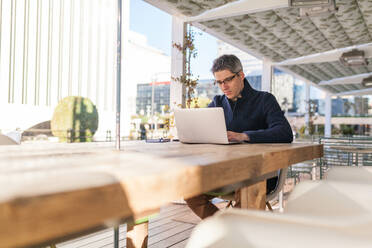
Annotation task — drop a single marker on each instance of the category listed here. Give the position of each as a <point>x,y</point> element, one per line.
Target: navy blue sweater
<point>257,114</point>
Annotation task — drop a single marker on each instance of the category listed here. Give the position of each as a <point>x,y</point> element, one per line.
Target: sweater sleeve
<point>278,129</point>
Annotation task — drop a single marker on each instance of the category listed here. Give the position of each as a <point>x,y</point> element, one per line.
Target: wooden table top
<point>51,191</point>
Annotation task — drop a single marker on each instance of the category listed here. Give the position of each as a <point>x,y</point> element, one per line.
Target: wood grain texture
<point>52,191</point>
<point>254,196</point>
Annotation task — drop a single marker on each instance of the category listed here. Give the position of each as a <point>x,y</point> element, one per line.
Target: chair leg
<point>116,237</point>
<point>313,172</point>
<point>269,206</point>
<point>280,196</point>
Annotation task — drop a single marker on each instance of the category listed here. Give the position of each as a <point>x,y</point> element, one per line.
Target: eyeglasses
<point>226,80</point>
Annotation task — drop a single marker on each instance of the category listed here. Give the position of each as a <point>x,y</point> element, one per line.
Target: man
<point>251,116</point>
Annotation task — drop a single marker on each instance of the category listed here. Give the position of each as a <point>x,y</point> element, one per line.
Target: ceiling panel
<point>194,7</point>
<point>352,21</point>
<point>280,34</point>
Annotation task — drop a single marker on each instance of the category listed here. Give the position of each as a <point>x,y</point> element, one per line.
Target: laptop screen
<point>201,125</point>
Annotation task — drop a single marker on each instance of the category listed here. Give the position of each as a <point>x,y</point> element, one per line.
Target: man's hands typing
<point>233,136</point>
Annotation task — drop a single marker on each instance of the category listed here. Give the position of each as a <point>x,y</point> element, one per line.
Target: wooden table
<point>54,191</point>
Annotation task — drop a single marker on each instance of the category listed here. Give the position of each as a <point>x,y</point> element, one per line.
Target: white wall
<point>146,65</point>
<point>249,63</point>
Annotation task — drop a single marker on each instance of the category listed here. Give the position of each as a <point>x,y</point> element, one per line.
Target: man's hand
<point>233,136</point>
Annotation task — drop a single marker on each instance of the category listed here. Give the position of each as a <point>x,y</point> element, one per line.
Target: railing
<point>69,134</point>
<point>338,151</point>
<point>346,151</point>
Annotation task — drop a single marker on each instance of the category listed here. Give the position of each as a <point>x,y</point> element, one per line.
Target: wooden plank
<point>90,238</point>
<point>180,244</point>
<point>171,207</point>
<point>165,231</point>
<point>164,221</point>
<point>162,237</point>
<point>87,190</point>
<point>167,226</point>
<point>169,214</point>
<point>105,238</point>
<point>95,240</point>
<point>174,239</point>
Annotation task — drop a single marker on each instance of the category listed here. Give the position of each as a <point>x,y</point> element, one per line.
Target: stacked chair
<point>336,212</point>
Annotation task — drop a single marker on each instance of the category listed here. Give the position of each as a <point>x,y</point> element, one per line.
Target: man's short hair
<point>227,62</point>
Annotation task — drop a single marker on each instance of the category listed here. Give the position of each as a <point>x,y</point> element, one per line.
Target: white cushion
<point>247,228</point>
<point>358,174</point>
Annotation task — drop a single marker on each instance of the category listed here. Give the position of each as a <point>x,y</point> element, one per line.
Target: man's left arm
<point>278,129</point>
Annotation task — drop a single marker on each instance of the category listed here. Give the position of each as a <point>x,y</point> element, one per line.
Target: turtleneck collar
<point>246,93</point>
<point>247,90</point>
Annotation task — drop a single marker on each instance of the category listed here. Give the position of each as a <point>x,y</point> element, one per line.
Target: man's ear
<point>242,75</point>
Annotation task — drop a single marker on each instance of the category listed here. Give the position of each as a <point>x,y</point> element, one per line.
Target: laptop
<point>201,125</point>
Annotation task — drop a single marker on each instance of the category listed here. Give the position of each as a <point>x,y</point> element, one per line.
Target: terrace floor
<point>167,230</point>
<point>172,228</point>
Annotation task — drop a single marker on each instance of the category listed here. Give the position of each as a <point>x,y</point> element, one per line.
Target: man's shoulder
<point>265,95</point>
<point>218,99</point>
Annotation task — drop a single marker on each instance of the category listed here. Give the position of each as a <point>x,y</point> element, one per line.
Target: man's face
<point>232,84</point>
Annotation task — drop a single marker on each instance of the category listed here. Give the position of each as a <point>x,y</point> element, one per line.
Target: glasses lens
<point>225,81</point>
<point>228,80</point>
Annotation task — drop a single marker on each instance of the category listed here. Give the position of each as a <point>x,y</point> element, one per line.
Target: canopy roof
<point>309,47</point>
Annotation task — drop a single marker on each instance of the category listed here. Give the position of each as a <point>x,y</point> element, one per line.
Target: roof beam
<point>238,8</point>
<point>367,91</point>
<point>328,56</point>
<point>302,78</point>
<point>355,79</point>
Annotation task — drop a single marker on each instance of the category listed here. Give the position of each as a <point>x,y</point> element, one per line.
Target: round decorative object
<point>75,119</point>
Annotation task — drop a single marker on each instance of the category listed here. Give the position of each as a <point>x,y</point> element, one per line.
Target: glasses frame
<point>226,80</point>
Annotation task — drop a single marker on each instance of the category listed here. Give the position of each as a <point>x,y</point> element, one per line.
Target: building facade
<point>152,97</point>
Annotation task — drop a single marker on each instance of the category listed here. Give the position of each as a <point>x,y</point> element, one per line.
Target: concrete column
<point>267,75</point>
<point>307,107</point>
<point>124,89</point>
<point>177,90</point>
<point>328,116</point>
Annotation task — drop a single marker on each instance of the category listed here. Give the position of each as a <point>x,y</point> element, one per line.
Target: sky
<point>156,25</point>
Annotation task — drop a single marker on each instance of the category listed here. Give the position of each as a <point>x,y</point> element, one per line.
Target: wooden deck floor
<point>164,231</point>
<point>167,230</point>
